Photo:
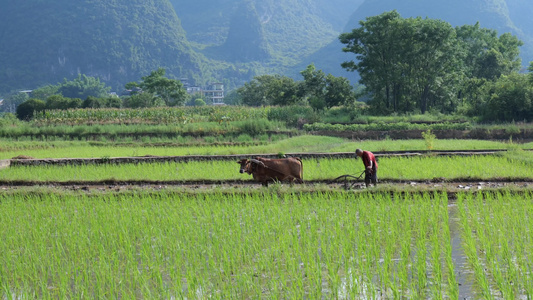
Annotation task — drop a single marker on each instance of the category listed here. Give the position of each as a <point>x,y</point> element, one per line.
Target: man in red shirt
<point>371,166</point>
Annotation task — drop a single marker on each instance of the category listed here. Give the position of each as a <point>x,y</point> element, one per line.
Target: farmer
<point>371,166</point>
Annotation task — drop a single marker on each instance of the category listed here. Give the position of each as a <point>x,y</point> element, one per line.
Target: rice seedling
<point>272,144</point>
<point>89,150</point>
<point>402,168</point>
<point>224,245</point>
<point>496,235</point>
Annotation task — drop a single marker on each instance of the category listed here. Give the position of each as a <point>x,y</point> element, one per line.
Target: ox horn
<point>257,162</point>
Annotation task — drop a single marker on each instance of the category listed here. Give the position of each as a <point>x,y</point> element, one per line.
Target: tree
<point>509,99</point>
<point>314,82</point>
<point>530,69</point>
<point>485,54</point>
<point>233,98</point>
<point>44,92</point>
<point>253,93</point>
<point>143,100</point>
<point>284,91</point>
<point>269,90</point>
<point>114,102</point>
<point>338,91</point>
<point>27,109</point>
<point>82,87</point>
<point>60,102</point>
<point>325,91</point>
<point>94,102</point>
<point>420,64</point>
<point>169,90</point>
<point>377,44</point>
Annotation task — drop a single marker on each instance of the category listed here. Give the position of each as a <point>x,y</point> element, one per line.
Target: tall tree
<point>338,92</point>
<point>314,82</point>
<point>375,44</point>
<point>485,54</point>
<point>404,63</point>
<point>171,91</point>
<point>509,98</point>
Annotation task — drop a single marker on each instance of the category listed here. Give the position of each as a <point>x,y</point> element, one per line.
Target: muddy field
<point>451,187</point>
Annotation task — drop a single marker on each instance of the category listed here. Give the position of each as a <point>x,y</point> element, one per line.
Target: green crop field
<point>221,239</point>
<point>277,144</point>
<point>401,168</point>
<point>263,245</point>
<point>496,234</point>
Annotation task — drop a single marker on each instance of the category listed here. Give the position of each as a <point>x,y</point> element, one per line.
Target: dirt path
<point>386,185</point>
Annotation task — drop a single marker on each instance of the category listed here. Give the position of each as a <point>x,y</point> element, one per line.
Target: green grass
<point>273,145</point>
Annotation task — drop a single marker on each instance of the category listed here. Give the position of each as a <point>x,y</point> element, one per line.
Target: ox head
<point>245,166</point>
<point>250,165</point>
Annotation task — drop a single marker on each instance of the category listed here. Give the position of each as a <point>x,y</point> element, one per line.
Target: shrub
<point>429,139</point>
<point>244,138</point>
<point>199,102</point>
<point>293,115</point>
<point>28,108</point>
<point>255,127</point>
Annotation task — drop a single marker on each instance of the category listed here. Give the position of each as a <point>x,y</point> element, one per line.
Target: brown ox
<point>266,170</point>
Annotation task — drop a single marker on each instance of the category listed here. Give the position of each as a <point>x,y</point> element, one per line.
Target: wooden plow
<point>346,180</point>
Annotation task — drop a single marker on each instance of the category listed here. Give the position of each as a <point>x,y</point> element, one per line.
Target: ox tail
<point>301,179</point>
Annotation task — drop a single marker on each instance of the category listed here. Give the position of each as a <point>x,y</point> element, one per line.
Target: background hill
<point>230,41</point>
<point>289,29</point>
<point>117,41</point>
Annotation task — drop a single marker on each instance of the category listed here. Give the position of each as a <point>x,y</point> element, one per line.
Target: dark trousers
<point>371,177</point>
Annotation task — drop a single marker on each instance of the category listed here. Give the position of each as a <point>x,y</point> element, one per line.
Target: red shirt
<point>368,158</point>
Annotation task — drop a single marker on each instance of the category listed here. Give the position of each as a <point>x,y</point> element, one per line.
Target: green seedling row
<point>226,246</point>
<point>400,168</point>
<point>498,243</point>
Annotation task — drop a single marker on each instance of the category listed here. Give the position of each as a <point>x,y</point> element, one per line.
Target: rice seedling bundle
<point>224,246</point>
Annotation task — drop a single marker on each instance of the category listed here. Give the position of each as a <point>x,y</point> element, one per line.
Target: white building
<point>212,93</point>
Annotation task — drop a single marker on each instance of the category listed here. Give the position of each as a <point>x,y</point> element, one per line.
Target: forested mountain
<point>43,42</point>
<point>289,29</point>
<point>117,41</point>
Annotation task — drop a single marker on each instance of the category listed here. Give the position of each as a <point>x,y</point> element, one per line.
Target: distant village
<point>212,93</point>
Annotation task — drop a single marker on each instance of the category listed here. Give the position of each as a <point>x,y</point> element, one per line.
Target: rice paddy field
<point>218,245</point>
<point>278,242</point>
<point>275,144</point>
<point>390,168</point>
